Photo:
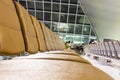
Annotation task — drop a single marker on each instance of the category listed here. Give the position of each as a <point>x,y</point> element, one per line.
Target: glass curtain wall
<point>65,17</point>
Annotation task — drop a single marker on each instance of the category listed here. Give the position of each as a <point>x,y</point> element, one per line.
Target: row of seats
<point>23,32</point>
<point>109,49</point>
<point>20,32</point>
<point>50,67</point>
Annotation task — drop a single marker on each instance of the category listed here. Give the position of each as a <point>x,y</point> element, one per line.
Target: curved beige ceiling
<point>104,15</point>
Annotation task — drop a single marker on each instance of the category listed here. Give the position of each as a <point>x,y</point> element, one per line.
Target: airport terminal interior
<point>65,17</point>
<point>59,40</point>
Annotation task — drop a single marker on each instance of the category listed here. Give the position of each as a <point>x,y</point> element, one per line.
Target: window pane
<point>92,33</point>
<point>80,19</point>
<point>38,0</point>
<point>56,7</point>
<point>48,24</point>
<point>93,37</point>
<point>32,12</point>
<point>71,19</point>
<point>47,6</point>
<point>31,5</point>
<point>55,17</point>
<point>63,27</point>
<point>39,6</point>
<point>47,16</point>
<point>23,3</point>
<point>78,29</point>
<point>64,1</point>
<point>85,39</point>
<point>63,18</point>
<point>80,11</point>
<point>70,28</point>
<point>55,27</point>
<point>77,39</point>
<point>73,9</point>
<point>28,0</point>
<point>48,0</point>
<point>56,0</point>
<point>86,30</point>
<point>73,1</point>
<point>64,8</point>
<point>69,37</point>
<point>39,15</point>
<point>62,36</point>
<point>86,21</point>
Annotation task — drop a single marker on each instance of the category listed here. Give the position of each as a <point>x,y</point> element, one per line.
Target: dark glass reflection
<point>38,0</point>
<point>56,0</point>
<point>23,3</point>
<point>47,16</point>
<point>92,33</point>
<point>80,19</point>
<point>78,29</point>
<point>48,24</point>
<point>80,11</point>
<point>71,19</point>
<point>73,9</point>
<point>64,1</point>
<point>48,0</point>
<point>47,6</point>
<point>63,18</point>
<point>73,1</point>
<point>86,21</point>
<point>70,28</point>
<point>31,5</point>
<point>32,12</point>
<point>86,30</point>
<point>39,6</point>
<point>56,7</point>
<point>64,8</point>
<point>55,17</point>
<point>39,15</point>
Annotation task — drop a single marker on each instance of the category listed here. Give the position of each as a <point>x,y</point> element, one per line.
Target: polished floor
<point>107,68</point>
